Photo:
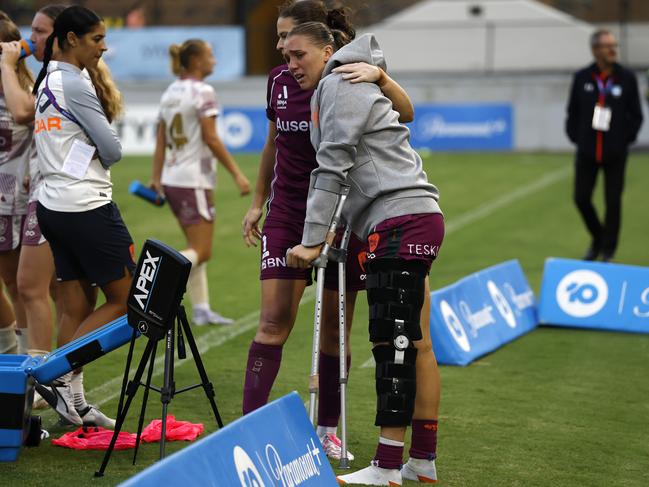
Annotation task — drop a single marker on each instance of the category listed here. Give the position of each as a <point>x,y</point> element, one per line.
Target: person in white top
<point>184,167</point>
<point>76,146</point>
<point>16,149</point>
<point>36,277</point>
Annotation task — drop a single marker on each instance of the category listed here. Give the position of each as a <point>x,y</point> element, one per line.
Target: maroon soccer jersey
<point>288,107</point>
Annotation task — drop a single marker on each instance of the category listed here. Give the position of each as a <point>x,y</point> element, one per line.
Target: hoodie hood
<point>363,49</point>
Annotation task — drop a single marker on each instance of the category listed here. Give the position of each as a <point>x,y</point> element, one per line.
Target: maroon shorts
<point>190,205</point>
<point>409,237</point>
<point>277,237</point>
<point>10,231</point>
<point>32,235</point>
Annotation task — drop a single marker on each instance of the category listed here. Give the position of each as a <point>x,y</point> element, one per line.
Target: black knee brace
<point>395,293</point>
<point>396,385</point>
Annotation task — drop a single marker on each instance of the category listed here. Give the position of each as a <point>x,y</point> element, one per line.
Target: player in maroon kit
<point>283,184</point>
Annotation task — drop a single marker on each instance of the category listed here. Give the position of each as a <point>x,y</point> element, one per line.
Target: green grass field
<point>556,407</point>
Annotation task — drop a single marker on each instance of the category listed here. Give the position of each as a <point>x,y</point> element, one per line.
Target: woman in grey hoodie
<point>391,205</point>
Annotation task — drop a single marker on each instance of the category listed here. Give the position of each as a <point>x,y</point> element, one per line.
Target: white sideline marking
<point>491,206</point>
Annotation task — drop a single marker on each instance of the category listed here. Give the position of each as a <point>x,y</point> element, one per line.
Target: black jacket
<point>624,100</point>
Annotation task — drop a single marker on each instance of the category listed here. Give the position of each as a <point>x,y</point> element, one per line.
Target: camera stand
<point>168,389</point>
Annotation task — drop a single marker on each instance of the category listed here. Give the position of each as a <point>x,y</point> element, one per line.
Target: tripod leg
<point>168,387</point>
<point>145,398</point>
<point>127,369</point>
<point>205,381</point>
<point>131,391</point>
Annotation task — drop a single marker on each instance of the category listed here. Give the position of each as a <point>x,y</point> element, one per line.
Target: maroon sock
<point>389,456</point>
<point>329,389</point>
<point>262,368</point>
<point>424,439</point>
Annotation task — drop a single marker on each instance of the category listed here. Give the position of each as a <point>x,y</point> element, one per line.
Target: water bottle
<point>26,48</point>
<point>146,193</point>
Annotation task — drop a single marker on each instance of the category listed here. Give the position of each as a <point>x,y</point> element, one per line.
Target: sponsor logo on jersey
<point>282,99</point>
<point>292,125</point>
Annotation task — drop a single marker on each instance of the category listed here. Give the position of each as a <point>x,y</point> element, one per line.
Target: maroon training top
<point>289,107</point>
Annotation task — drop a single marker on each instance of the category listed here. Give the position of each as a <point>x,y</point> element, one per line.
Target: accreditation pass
<point>78,159</point>
<point>601,118</point>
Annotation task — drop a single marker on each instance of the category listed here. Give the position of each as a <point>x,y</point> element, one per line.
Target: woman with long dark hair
<point>76,146</point>
<point>282,187</point>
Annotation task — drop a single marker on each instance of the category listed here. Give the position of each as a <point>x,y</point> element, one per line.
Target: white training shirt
<point>189,163</point>
<point>16,148</point>
<point>78,117</point>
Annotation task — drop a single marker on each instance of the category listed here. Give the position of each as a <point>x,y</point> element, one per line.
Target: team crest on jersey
<point>32,221</point>
<point>282,99</point>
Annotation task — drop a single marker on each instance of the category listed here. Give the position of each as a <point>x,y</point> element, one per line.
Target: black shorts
<point>94,245</point>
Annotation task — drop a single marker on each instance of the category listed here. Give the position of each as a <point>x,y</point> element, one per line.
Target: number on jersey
<point>176,133</point>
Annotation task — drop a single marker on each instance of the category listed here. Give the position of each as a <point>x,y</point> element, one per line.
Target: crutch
<point>338,255</point>
<point>342,330</point>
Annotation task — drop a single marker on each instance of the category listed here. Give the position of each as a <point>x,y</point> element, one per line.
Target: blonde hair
<point>181,54</point>
<point>8,33</point>
<point>107,92</point>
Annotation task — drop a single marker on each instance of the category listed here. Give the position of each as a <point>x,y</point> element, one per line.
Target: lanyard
<point>50,96</point>
<point>602,88</point>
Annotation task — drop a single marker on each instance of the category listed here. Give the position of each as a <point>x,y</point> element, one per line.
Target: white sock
<point>197,287</point>
<point>35,352</point>
<point>191,255</point>
<point>323,430</point>
<point>76,384</point>
<point>387,441</point>
<point>8,339</point>
<point>22,340</point>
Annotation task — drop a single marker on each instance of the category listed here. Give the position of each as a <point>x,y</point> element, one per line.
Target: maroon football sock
<point>424,439</point>
<point>261,370</point>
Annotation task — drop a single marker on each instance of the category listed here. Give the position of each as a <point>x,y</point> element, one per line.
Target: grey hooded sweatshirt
<point>359,141</point>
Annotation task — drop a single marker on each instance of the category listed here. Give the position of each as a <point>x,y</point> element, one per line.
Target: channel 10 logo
<point>582,293</point>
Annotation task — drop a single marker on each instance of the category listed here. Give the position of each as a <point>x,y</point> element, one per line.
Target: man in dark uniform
<point>604,117</point>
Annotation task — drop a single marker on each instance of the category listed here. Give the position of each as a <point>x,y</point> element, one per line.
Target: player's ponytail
<point>174,53</point>
<point>47,56</point>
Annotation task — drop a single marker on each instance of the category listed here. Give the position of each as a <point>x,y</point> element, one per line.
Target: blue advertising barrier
<point>272,446</point>
<point>480,313</point>
<point>597,295</point>
<point>243,129</point>
<point>143,54</point>
<point>483,126</point>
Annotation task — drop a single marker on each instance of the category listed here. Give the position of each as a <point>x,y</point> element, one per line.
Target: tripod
<point>168,389</point>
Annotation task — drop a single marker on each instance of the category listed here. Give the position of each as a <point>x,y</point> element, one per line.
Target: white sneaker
<point>372,475</point>
<point>94,417</point>
<point>333,447</point>
<point>60,398</point>
<point>420,470</point>
<point>202,317</point>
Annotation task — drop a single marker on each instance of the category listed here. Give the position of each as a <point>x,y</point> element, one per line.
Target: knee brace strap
<point>396,385</point>
<point>395,291</point>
